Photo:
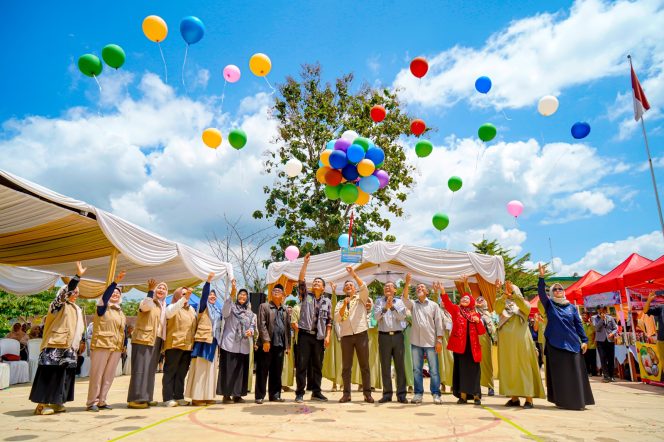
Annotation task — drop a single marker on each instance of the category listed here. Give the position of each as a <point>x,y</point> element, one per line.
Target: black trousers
<point>359,344</point>
<point>269,365</point>
<point>176,366</point>
<point>590,358</point>
<point>391,347</point>
<point>607,355</point>
<point>310,354</point>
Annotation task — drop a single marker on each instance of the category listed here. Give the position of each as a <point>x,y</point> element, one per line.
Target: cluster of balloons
<point>349,168</point>
<point>212,138</point>
<point>112,54</point>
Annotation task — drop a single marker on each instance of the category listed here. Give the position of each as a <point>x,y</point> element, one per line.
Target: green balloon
<point>349,193</point>
<point>332,192</point>
<point>237,138</point>
<point>423,148</point>
<point>440,221</point>
<point>90,65</point>
<point>364,142</point>
<point>113,55</point>
<point>454,183</point>
<point>487,132</point>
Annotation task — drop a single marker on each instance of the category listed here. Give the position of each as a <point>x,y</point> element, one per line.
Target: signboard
<point>351,255</point>
<point>602,299</point>
<point>650,363</point>
<point>638,297</point>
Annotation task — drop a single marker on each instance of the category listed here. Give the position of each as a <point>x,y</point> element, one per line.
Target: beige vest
<point>60,327</point>
<point>204,328</point>
<point>180,330</point>
<point>108,330</point>
<point>148,326</point>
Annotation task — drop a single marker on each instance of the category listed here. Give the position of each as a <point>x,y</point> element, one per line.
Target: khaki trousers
<point>103,364</point>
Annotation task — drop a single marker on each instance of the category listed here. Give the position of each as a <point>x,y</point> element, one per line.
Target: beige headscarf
<point>561,300</point>
<point>511,309</point>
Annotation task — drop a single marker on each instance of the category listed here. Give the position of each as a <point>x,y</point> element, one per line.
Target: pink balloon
<point>231,73</point>
<point>515,208</point>
<point>292,253</point>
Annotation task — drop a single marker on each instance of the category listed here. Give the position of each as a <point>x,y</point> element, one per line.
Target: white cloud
<point>542,55</point>
<point>579,205</point>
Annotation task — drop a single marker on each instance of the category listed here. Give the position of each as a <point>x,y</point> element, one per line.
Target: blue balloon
<point>376,155</point>
<point>338,159</point>
<point>192,29</point>
<point>330,145</point>
<point>369,184</point>
<point>483,84</point>
<point>355,153</point>
<point>580,130</point>
<point>350,172</point>
<point>344,241</point>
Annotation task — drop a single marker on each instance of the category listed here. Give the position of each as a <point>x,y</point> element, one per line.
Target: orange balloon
<point>212,137</point>
<point>366,167</point>
<point>362,197</point>
<point>325,157</point>
<point>320,174</point>
<point>155,28</point>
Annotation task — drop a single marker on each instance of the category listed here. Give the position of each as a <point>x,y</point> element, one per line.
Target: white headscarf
<point>561,301</point>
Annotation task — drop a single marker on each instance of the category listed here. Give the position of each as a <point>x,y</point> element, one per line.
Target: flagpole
<point>652,170</point>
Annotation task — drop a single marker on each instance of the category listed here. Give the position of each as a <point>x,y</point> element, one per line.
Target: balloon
<point>231,73</point>
<point>515,208</point>
<point>192,29</point>
<point>333,177</point>
<point>342,144</point>
<point>362,197</point>
<point>483,84</point>
<point>350,172</point>
<point>487,132</point>
<point>369,184</point>
<point>90,65</point>
<point>325,157</point>
<point>423,148</point>
<point>338,159</point>
<point>113,55</point>
<point>292,253</point>
<point>212,137</point>
<point>580,130</point>
<point>332,192</point>
<point>419,67</point>
<point>320,174</point>
<point>378,113</point>
<point>383,178</point>
<point>454,183</point>
<point>375,154</point>
<point>364,142</point>
<point>345,241</point>
<point>293,167</point>
<point>417,127</point>
<point>260,65</point>
<point>330,144</point>
<point>348,193</point>
<point>355,153</point>
<point>155,28</point>
<point>349,135</point>
<point>237,138</point>
<point>547,105</point>
<point>440,221</point>
<point>365,167</point>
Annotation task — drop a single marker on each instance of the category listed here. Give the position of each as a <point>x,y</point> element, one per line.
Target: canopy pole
<point>111,267</point>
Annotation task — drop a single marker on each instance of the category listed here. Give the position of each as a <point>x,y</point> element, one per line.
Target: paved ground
<point>624,412</point>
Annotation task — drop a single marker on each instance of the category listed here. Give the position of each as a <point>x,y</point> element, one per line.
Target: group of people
<point>194,341</point>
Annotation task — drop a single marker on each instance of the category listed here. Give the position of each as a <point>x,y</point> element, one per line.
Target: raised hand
<point>307,257</point>
<point>80,270</point>
<point>333,287</point>
<point>152,284</point>
<point>508,288</point>
<point>407,280</point>
<point>542,269</point>
<point>210,277</point>
<point>498,283</point>
<point>120,276</point>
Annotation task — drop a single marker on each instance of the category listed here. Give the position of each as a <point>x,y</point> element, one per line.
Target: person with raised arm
<point>567,383</point>
<point>314,328</point>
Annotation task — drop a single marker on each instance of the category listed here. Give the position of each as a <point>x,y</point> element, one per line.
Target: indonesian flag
<point>641,104</point>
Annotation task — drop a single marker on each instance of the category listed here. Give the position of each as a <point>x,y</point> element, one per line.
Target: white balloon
<point>349,135</point>
<point>548,105</point>
<point>293,167</point>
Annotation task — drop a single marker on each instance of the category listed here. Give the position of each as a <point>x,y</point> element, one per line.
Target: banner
<point>638,297</point>
<point>602,299</point>
<point>351,254</point>
<point>650,363</point>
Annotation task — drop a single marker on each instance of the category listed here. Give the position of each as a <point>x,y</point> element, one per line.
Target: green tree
<point>130,307</point>
<point>310,113</point>
<point>23,308</point>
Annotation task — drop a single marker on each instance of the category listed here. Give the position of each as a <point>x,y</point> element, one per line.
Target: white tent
<point>43,234</point>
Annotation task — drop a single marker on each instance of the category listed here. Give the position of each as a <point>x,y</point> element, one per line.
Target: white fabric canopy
<point>43,234</point>
<point>385,261</point>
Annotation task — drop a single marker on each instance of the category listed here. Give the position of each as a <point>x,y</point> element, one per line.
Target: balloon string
<point>268,83</point>
<point>452,202</point>
<point>223,95</point>
<point>98,85</point>
<point>184,62</point>
<point>163,59</point>
<point>504,115</point>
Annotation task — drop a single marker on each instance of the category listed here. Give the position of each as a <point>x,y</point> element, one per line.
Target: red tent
<point>643,276</point>
<point>533,305</point>
<point>613,281</point>
<point>573,292</point>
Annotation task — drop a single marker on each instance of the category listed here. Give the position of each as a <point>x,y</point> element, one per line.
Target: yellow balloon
<point>155,28</point>
<point>320,174</point>
<point>212,137</point>
<point>260,65</point>
<point>325,158</point>
<point>366,167</point>
<point>362,197</point>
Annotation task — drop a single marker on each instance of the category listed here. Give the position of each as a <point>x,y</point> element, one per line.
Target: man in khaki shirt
<point>351,315</point>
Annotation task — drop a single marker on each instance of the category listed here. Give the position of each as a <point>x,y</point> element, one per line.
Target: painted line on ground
<point>508,421</point>
<point>147,427</point>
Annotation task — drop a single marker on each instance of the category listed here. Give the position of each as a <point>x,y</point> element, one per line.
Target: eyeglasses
<point>557,289</point>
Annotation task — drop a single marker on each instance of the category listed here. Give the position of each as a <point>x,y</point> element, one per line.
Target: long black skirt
<point>567,383</point>
<point>233,374</point>
<point>467,373</point>
<point>53,384</point>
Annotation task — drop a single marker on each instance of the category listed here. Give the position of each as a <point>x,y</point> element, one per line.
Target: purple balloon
<point>342,144</point>
<point>383,177</point>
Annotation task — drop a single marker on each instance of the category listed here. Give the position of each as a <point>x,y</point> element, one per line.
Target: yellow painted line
<point>147,427</point>
<point>518,427</point>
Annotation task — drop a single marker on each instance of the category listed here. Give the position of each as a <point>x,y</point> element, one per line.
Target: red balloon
<point>417,127</point>
<point>419,67</point>
<point>378,113</point>
<point>333,177</point>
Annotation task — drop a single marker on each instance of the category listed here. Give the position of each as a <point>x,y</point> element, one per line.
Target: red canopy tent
<point>613,281</point>
<point>573,292</point>
<point>651,275</point>
<point>533,305</point>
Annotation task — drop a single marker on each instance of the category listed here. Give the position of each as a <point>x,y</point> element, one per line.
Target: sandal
<point>43,410</point>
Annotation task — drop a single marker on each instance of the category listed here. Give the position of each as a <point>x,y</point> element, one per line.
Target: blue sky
<point>581,195</point>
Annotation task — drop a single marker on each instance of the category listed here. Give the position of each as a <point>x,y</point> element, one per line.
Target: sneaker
<point>137,405</point>
<point>277,399</point>
<point>153,403</point>
<point>183,402</point>
<point>238,400</point>
<point>171,403</point>
<point>437,400</point>
<point>259,401</point>
<point>93,408</point>
<point>104,407</point>
<point>318,397</point>
<point>477,401</point>
<point>299,399</point>
<point>402,400</point>
<point>462,401</point>
<point>491,392</point>
<point>512,403</point>
<point>417,399</point>
<point>528,405</point>
<point>384,399</point>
